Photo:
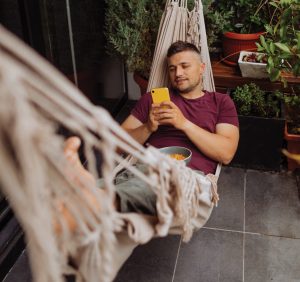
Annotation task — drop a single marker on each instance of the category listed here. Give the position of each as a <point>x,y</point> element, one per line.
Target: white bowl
<point>187,153</point>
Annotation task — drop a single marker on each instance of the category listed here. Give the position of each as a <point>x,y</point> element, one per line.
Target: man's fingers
<point>168,104</point>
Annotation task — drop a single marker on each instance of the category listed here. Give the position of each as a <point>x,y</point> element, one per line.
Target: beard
<point>188,88</point>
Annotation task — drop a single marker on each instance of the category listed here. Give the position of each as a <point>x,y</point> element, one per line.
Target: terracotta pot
<point>293,146</point>
<point>141,82</point>
<point>233,43</point>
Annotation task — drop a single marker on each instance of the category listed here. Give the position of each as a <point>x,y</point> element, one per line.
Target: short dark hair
<point>180,46</point>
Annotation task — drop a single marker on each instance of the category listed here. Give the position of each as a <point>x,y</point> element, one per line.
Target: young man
<point>204,122</point>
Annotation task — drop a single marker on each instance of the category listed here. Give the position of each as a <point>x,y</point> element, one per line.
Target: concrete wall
<point>133,89</point>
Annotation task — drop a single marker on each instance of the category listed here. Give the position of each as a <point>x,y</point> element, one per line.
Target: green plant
<point>281,43</point>
<point>250,100</point>
<point>216,22</point>
<point>254,57</point>
<point>241,16</point>
<point>291,103</point>
<point>131,28</point>
<point>245,16</point>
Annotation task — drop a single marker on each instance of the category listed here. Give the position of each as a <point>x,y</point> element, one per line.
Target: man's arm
<point>141,131</point>
<point>138,131</point>
<point>220,146</point>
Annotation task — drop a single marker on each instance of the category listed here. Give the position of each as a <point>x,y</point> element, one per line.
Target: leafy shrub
<point>131,28</point>
<point>281,43</point>
<point>250,100</point>
<point>292,111</point>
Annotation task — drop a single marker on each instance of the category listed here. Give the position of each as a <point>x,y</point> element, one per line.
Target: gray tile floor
<point>253,236</point>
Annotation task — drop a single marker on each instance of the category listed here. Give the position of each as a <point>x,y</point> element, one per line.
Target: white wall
<point>134,92</point>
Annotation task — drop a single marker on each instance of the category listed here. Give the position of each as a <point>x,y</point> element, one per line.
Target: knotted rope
<point>35,100</point>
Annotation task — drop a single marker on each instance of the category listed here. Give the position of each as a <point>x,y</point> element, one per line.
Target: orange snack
<point>178,157</point>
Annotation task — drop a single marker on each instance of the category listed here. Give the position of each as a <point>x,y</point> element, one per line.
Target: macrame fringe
<point>35,101</point>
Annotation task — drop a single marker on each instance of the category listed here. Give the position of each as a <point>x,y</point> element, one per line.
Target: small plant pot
<point>293,146</point>
<point>233,43</point>
<point>252,69</point>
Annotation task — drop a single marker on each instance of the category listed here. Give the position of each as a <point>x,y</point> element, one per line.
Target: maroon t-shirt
<point>206,112</point>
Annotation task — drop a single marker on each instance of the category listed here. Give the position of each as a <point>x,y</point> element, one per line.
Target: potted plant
<point>131,29</point>
<point>253,64</point>
<point>245,24</point>
<point>281,42</point>
<point>292,127</point>
<point>216,22</point>
<point>261,128</point>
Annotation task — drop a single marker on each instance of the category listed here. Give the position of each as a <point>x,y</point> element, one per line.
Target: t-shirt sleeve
<point>227,112</point>
<point>142,107</point>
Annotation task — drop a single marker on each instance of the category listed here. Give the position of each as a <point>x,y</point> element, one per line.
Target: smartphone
<point>160,95</point>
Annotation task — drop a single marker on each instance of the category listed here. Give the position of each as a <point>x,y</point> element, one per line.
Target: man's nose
<point>179,71</point>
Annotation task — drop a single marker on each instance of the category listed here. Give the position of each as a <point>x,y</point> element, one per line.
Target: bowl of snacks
<point>177,153</point>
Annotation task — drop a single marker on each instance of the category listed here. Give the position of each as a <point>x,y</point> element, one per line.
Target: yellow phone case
<point>160,95</point>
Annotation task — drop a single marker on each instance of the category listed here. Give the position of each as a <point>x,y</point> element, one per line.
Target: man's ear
<point>202,68</point>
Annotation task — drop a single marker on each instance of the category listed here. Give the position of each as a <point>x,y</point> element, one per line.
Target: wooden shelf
<point>226,76</point>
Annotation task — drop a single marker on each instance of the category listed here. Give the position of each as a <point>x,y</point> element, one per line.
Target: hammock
<point>35,99</point>
<point>178,23</point>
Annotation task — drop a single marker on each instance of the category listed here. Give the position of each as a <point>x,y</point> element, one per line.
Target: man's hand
<point>169,114</point>
<point>152,123</point>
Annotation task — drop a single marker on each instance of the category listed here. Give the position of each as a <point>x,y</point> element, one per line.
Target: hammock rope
<point>178,23</point>
<point>43,189</point>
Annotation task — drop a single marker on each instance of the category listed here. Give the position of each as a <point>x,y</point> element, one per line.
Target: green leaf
<point>275,74</point>
<point>283,47</point>
<point>272,48</point>
<point>274,4</point>
<point>282,32</point>
<point>259,47</point>
<point>285,2</point>
<point>269,29</point>
<point>270,62</point>
<point>263,43</point>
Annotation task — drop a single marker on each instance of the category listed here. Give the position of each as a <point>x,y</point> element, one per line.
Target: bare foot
<point>80,177</point>
<point>72,145</point>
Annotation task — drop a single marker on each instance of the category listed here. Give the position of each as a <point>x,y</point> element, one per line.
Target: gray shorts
<point>133,194</point>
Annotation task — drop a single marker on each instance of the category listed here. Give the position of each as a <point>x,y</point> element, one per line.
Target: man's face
<point>185,71</point>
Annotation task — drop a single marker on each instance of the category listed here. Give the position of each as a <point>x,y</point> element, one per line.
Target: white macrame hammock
<point>177,23</point>
<point>35,99</point>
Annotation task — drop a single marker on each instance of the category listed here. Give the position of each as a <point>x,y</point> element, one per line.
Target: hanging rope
<point>43,189</point>
<point>178,23</point>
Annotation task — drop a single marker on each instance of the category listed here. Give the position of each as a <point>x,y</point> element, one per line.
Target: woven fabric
<point>43,190</point>
<point>178,23</point>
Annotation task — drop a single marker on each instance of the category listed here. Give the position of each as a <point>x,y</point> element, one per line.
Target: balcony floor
<point>253,236</point>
